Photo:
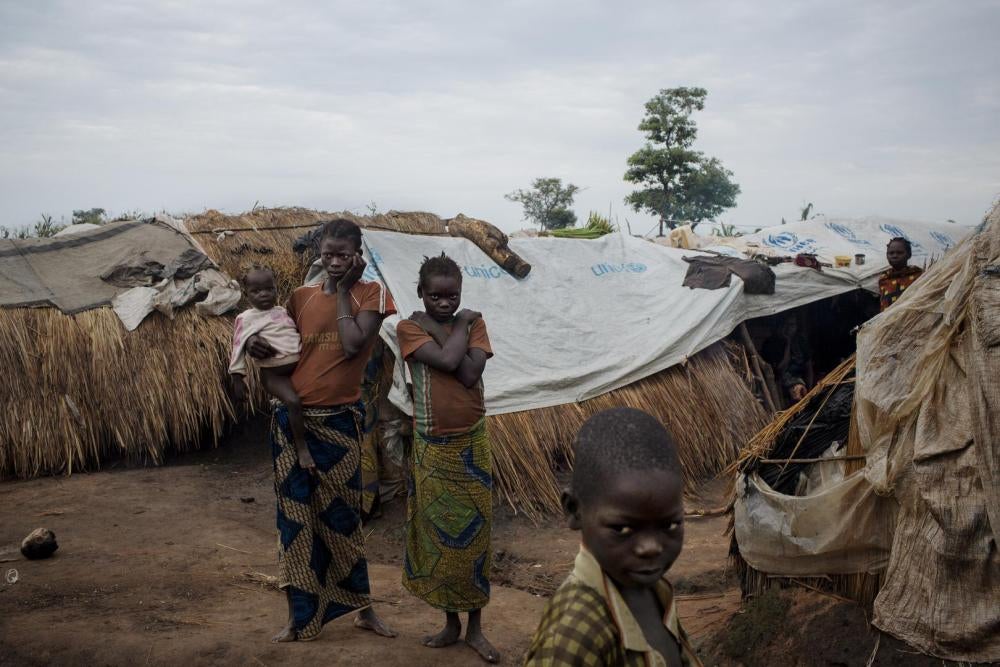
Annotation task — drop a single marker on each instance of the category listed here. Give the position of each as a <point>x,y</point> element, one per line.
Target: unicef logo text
<point>485,272</point>
<point>625,267</point>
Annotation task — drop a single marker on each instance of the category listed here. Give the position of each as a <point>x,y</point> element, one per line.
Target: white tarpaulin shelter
<point>596,315</point>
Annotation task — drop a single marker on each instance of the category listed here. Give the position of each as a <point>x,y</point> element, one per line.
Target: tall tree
<point>677,182</point>
<point>547,203</point>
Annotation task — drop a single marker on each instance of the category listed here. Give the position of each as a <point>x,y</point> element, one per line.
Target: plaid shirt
<point>588,623</point>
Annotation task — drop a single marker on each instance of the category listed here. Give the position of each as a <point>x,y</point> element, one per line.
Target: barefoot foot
<point>369,621</point>
<point>286,634</point>
<point>446,637</point>
<point>482,646</point>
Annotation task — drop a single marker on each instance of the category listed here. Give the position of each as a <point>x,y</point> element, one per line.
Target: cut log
<point>490,240</point>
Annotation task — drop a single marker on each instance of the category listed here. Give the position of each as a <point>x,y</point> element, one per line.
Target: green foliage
<point>94,216</point>
<point>677,183</point>
<point>596,220</point>
<point>724,230</point>
<point>597,226</point>
<point>560,218</point>
<point>547,203</point>
<point>45,228</point>
<point>42,229</point>
<point>126,216</point>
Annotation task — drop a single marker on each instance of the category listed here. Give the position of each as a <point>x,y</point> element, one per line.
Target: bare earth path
<point>151,564</point>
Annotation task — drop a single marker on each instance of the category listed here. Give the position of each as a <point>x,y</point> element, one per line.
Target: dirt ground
<point>155,567</point>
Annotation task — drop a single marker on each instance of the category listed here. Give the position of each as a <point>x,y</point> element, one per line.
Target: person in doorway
<point>322,565</point>
<point>785,351</point>
<point>895,281</point>
<point>450,502</point>
<point>627,499</point>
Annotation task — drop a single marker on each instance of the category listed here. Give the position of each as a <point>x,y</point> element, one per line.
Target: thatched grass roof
<point>82,389</point>
<point>79,389</point>
<point>265,235</point>
<point>705,403</point>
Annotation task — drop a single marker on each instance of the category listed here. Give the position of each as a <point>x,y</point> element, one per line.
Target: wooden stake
<point>858,457</point>
<point>755,359</point>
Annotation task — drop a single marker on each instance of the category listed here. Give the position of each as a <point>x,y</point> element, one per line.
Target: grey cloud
<point>861,107</point>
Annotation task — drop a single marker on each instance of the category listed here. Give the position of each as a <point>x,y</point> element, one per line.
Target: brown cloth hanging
<point>716,273</point>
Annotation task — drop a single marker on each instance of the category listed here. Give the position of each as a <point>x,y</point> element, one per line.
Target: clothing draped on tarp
<point>135,266</point>
<point>718,272</point>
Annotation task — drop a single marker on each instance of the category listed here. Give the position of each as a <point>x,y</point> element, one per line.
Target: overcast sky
<point>861,107</point>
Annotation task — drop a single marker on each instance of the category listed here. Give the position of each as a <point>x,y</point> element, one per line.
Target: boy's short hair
<point>618,440</point>
<point>340,228</point>
<point>254,269</point>
<point>905,241</point>
<point>441,265</point>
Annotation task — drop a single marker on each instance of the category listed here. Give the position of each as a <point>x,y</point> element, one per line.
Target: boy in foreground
<point>626,498</point>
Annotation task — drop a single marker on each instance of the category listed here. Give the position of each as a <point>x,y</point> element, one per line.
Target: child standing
<point>273,324</point>
<point>895,281</point>
<point>626,498</point>
<point>449,508</point>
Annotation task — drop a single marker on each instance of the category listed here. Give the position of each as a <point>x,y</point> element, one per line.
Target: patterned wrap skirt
<point>321,548</point>
<point>450,520</point>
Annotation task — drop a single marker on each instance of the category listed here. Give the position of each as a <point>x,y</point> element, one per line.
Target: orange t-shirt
<point>442,405</point>
<point>324,376</point>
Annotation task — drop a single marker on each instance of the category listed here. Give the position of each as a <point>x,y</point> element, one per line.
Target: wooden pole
<point>755,360</point>
<point>856,457</point>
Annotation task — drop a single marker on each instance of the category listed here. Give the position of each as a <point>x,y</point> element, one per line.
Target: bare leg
<point>475,638</point>
<point>368,620</point>
<point>287,633</point>
<point>452,631</point>
<point>280,386</point>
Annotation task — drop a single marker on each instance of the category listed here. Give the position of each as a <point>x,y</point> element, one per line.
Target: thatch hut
<point>904,516</point>
<point>705,402</point>
<point>84,390</point>
<point>79,388</point>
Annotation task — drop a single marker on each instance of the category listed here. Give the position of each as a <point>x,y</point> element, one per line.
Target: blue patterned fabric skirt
<point>321,550</point>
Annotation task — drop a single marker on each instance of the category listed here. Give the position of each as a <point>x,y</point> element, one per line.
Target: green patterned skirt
<point>450,520</point>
